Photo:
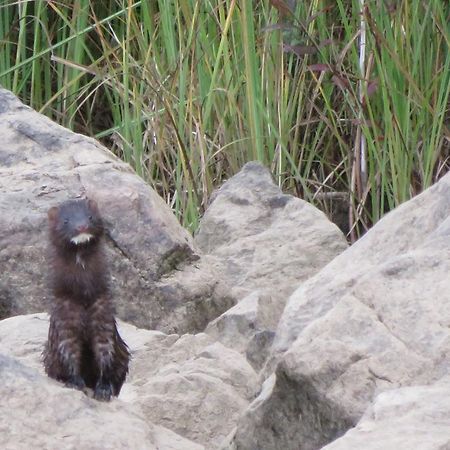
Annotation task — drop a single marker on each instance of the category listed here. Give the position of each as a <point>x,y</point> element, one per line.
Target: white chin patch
<point>81,238</point>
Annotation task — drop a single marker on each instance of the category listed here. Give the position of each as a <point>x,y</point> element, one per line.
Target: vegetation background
<point>346,101</point>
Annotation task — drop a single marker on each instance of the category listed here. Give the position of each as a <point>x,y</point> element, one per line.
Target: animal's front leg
<point>101,333</point>
<point>62,356</point>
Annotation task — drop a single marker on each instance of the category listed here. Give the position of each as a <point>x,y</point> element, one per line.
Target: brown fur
<point>84,348</point>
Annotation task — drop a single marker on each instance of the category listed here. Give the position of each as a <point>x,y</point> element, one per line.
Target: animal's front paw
<point>103,391</point>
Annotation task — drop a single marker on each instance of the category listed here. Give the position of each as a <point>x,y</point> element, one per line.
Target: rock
<point>409,417</point>
<point>375,319</point>
<point>258,349</point>
<point>188,299</point>
<point>42,164</point>
<point>36,413</point>
<point>174,376</point>
<point>389,248</point>
<point>236,326</point>
<point>247,328</point>
<point>262,239</point>
<point>183,392</point>
<point>264,244</point>
<point>201,398</point>
<point>288,414</point>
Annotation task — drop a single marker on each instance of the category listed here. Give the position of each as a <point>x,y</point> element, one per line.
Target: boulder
<point>408,417</point>
<point>374,319</point>
<point>38,414</point>
<point>43,164</point>
<point>192,385</point>
<point>182,392</point>
<point>261,239</point>
<point>264,244</point>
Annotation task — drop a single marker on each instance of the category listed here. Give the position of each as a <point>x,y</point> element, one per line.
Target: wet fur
<point>84,348</point>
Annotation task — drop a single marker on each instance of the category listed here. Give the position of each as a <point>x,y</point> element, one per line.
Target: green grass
<point>188,91</point>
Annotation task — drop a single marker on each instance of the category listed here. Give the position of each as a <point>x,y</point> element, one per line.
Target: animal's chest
<point>80,261</point>
<point>83,279</point>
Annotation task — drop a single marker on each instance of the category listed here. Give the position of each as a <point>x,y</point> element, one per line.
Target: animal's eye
<point>66,221</point>
<point>90,218</point>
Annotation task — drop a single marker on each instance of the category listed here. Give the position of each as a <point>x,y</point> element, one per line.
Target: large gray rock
<point>43,164</point>
<point>183,392</point>
<point>37,414</point>
<point>376,318</point>
<point>406,418</point>
<point>264,244</point>
<point>190,384</point>
<point>261,239</point>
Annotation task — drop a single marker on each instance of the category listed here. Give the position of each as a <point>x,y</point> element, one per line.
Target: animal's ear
<point>92,205</point>
<point>52,214</point>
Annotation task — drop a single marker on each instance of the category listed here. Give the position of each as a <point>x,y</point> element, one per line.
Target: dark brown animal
<point>84,348</point>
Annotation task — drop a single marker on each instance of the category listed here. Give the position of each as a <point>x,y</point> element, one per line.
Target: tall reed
<point>345,101</point>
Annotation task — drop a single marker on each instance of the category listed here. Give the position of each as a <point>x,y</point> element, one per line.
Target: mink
<point>84,348</point>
